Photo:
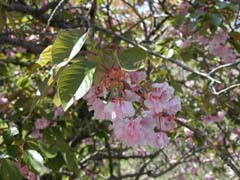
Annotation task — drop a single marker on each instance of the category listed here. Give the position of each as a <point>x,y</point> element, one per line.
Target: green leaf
<point>78,46</point>
<point>56,100</point>
<point>131,59</point>
<point>49,152</point>
<point>23,81</point>
<point>56,163</point>
<point>8,170</point>
<point>46,56</point>
<point>215,20</point>
<point>13,150</point>
<point>35,159</point>
<point>75,50</point>
<point>3,69</point>
<point>3,124</point>
<point>3,18</point>
<point>67,45</point>
<point>71,163</point>
<point>74,82</point>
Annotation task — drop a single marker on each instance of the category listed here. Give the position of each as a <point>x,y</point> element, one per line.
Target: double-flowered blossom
<point>218,47</point>
<point>141,114</point>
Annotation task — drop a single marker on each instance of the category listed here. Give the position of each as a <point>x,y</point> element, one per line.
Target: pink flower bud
<point>41,123</point>
<point>36,134</point>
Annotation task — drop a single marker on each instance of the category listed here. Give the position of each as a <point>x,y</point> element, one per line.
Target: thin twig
<point>225,89</point>
<point>223,66</point>
<point>52,14</point>
<point>180,64</point>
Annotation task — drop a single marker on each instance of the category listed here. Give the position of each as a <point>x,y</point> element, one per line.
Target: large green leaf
<point>67,45</point>
<point>8,170</point>
<point>131,59</point>
<point>74,82</point>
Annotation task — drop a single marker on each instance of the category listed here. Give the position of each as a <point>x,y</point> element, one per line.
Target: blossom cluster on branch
<point>140,113</point>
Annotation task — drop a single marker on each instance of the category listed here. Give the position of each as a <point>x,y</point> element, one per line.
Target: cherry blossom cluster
<point>140,113</point>
<point>217,45</point>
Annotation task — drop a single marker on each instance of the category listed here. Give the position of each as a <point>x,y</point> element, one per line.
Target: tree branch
<point>178,63</point>
<point>30,46</point>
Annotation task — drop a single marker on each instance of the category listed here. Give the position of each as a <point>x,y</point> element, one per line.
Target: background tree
<point>53,52</point>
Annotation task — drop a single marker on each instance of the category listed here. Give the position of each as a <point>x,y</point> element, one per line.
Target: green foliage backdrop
<point>52,52</point>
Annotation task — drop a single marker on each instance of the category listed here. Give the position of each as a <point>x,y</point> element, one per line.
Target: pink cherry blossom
<point>32,176</point>
<point>135,109</point>
<point>99,110</point>
<point>137,76</point>
<point>173,161</point>
<point>147,120</point>
<point>180,176</point>
<point>92,94</point>
<point>41,123</point>
<point>131,96</point>
<point>129,132</point>
<point>236,132</point>
<point>161,99</point>
<point>209,176</point>
<point>207,119</point>
<point>221,37</point>
<point>24,171</point>
<point>3,100</point>
<point>184,29</point>
<point>10,54</point>
<point>20,49</point>
<point>43,3</point>
<point>183,8</point>
<point>119,109</point>
<point>228,55</point>
<point>166,123</point>
<point>57,112</point>
<point>188,132</point>
<point>160,140</point>
<point>219,117</point>
<point>202,40</point>
<point>220,138</point>
<point>218,47</point>
<point>183,43</point>
<point>172,32</point>
<point>36,134</point>
<point>173,106</point>
<point>193,171</point>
